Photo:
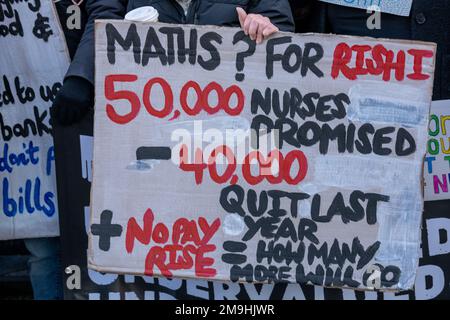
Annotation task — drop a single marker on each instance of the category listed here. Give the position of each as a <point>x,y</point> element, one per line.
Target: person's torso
<point>202,12</point>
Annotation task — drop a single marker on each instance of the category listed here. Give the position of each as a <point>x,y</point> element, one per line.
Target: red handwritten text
<point>359,60</point>
<point>295,158</point>
<point>168,109</point>
<point>182,248</point>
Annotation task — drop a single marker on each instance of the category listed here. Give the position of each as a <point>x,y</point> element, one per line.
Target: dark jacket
<point>201,12</point>
<point>73,36</point>
<point>429,21</point>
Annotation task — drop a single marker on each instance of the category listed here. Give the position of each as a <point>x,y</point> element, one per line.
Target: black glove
<point>73,101</point>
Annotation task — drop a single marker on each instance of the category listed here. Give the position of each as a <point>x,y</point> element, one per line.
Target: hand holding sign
<point>73,101</point>
<point>256,26</point>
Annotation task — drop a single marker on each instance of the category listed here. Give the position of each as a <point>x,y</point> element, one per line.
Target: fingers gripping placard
<point>295,160</point>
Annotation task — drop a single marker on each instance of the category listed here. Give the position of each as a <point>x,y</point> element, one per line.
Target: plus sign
<point>105,230</point>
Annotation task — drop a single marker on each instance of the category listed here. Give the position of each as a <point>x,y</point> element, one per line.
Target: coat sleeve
<point>83,63</point>
<point>278,11</point>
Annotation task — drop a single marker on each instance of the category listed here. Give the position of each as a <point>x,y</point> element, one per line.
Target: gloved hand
<point>73,101</point>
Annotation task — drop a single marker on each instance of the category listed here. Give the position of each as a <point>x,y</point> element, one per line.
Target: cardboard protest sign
<point>437,162</point>
<point>32,65</point>
<point>73,149</point>
<point>298,160</point>
<point>397,7</point>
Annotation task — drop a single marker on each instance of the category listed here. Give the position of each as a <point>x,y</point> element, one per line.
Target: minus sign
<point>153,153</point>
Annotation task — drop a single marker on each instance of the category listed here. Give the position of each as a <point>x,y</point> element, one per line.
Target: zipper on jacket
<point>192,14</point>
<point>179,10</point>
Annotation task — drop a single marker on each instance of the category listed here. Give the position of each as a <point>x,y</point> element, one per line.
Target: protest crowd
<point>55,248</point>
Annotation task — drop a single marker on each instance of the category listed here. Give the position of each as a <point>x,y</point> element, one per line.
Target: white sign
<point>397,7</point>
<point>33,62</point>
<point>296,160</point>
<point>437,161</point>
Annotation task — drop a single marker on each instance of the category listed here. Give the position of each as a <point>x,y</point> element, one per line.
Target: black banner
<point>73,147</point>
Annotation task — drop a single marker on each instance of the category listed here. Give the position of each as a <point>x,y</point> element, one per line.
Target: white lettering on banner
<point>226,290</point>
<point>426,275</point>
<point>435,244</point>
<point>198,288</point>
<point>294,292</point>
<point>86,147</point>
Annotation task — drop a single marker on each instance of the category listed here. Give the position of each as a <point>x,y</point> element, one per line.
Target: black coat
<point>201,12</point>
<point>429,21</point>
